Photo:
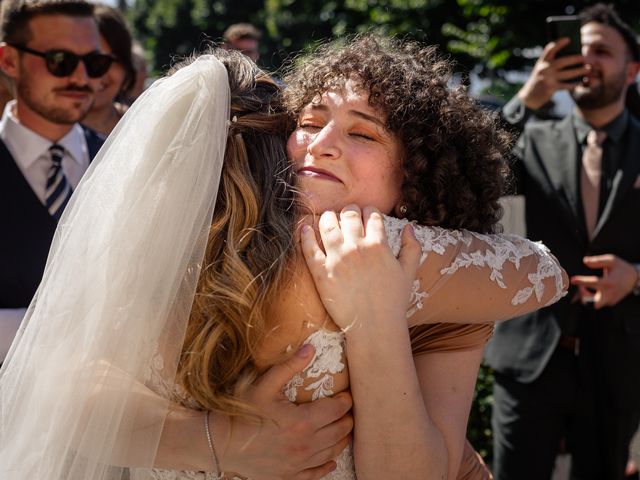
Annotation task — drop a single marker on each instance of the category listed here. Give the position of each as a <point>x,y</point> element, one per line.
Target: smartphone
<point>565,26</point>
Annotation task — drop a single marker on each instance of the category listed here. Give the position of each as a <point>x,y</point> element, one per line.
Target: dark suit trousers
<point>566,402</point>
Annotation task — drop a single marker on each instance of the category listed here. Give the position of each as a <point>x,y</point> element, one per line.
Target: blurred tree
<point>502,35</point>
<point>170,29</point>
<point>492,36</point>
<point>295,23</point>
<point>479,428</point>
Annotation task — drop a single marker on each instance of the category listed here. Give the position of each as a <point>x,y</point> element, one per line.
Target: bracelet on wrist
<point>212,450</point>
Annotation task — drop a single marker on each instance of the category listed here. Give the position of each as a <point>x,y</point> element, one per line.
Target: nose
<point>589,54</point>
<point>80,76</point>
<point>325,143</point>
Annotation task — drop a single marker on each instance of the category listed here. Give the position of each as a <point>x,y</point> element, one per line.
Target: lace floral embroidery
<point>497,251</point>
<point>345,469</point>
<point>415,303</point>
<point>327,361</point>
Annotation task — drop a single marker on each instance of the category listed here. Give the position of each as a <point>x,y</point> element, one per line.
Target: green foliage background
<point>479,428</point>
<point>490,36</point>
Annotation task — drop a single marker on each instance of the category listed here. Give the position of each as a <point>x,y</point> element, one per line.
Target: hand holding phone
<point>561,65</point>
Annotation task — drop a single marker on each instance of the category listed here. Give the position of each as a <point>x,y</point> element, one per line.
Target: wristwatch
<point>636,287</point>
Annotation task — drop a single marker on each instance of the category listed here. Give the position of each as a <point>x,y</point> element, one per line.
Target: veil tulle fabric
<point>117,289</point>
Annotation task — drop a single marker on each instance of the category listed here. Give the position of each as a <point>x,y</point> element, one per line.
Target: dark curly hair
<point>454,155</point>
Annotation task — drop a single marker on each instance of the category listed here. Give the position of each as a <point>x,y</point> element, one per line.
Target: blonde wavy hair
<point>249,244</point>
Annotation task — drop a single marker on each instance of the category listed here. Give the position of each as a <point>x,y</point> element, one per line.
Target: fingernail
<point>306,228</point>
<point>412,231</point>
<point>304,351</point>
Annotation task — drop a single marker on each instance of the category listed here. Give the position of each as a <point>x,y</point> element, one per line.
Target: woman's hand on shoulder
<point>356,274</point>
<point>297,442</point>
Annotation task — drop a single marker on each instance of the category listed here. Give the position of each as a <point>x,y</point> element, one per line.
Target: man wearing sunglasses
<point>51,52</point>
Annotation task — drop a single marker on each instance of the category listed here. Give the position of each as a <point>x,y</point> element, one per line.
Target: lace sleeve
<point>468,277</point>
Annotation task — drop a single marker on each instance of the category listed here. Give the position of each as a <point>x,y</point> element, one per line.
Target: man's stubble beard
<point>606,93</point>
<point>54,114</point>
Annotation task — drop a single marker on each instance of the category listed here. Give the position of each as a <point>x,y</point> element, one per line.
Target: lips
<point>313,172</point>
<point>590,77</point>
<point>75,95</point>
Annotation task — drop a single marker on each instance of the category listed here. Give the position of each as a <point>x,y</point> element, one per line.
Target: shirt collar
<point>614,129</point>
<point>26,146</point>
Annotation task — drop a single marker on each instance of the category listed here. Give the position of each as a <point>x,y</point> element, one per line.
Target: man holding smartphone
<point>571,372</point>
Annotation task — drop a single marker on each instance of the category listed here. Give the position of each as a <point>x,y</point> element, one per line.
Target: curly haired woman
<point>442,164</point>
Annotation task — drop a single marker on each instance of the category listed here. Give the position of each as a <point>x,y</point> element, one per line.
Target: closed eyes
<point>308,126</point>
<point>362,135</point>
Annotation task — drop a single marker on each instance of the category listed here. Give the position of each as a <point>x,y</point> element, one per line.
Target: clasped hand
<point>295,442</point>
<point>357,275</point>
<point>617,281</point>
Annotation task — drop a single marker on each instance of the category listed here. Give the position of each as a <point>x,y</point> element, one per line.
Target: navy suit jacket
<point>27,230</point>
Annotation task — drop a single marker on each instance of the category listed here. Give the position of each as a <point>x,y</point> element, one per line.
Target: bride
<point>132,335</point>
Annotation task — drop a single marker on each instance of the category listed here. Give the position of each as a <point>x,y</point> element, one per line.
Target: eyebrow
<point>356,113</point>
<point>600,44</point>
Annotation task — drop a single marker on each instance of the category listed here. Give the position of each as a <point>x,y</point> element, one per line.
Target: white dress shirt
<point>31,153</point>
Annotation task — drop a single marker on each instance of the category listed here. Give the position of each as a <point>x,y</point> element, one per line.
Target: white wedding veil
<point>117,289</point>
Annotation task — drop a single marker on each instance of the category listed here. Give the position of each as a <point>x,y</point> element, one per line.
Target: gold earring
<point>403,209</point>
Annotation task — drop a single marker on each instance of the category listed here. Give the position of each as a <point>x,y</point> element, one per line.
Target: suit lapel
<point>624,177</point>
<point>561,165</point>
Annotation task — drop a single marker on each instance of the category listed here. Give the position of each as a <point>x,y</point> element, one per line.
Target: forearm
<point>183,444</point>
<point>148,431</point>
<point>448,381</point>
<point>178,434</point>
<point>394,437</point>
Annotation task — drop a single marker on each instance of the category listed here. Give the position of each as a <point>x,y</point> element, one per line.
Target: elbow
<point>562,283</point>
<point>565,281</point>
<point>560,279</point>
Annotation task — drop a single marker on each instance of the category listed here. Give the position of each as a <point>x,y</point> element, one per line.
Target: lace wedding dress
<point>525,272</point>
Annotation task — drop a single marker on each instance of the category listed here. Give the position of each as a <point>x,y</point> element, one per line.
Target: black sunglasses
<point>62,63</point>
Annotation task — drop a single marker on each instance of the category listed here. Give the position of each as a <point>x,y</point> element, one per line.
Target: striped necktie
<point>58,188</point>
